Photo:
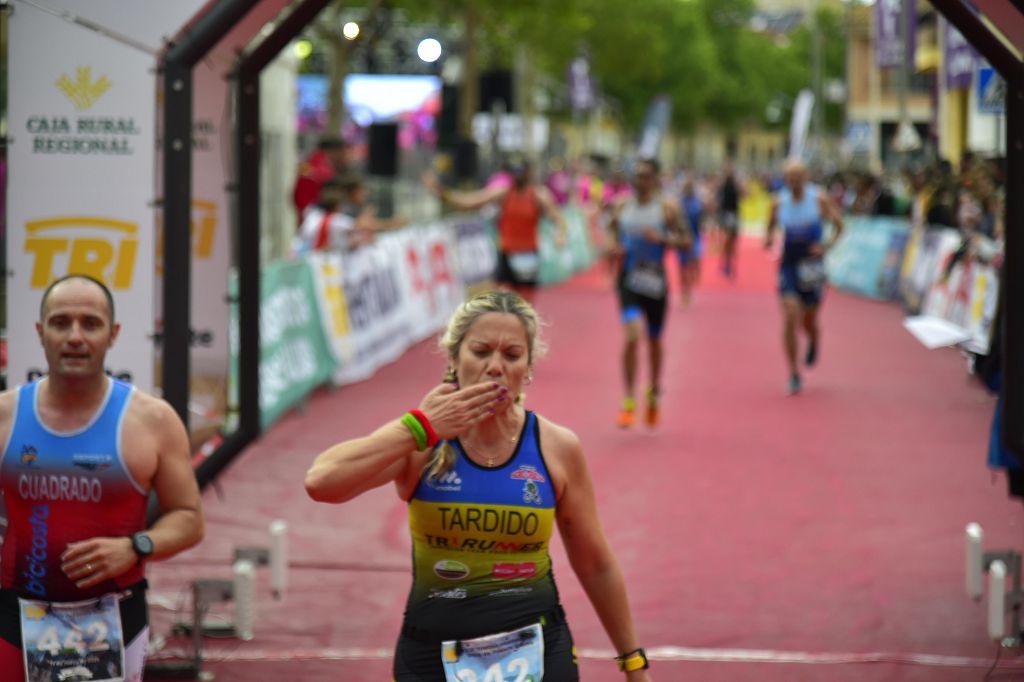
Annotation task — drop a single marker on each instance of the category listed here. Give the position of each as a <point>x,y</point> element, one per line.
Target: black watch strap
<point>142,544</point>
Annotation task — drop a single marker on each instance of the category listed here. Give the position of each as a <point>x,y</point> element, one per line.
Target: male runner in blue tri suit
<point>79,454</point>
<point>801,208</point>
<point>642,226</point>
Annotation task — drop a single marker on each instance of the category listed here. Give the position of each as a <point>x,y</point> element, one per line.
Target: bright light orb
<point>303,48</point>
<point>350,30</point>
<point>429,50</point>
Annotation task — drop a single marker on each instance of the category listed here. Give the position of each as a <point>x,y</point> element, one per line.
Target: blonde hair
<point>442,459</point>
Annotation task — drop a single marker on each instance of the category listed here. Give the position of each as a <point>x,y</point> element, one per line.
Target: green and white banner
<point>295,356</point>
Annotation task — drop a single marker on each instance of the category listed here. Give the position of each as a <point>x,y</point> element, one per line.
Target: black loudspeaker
<point>383,152</point>
<point>496,86</point>
<point>465,159</point>
<point>448,119</point>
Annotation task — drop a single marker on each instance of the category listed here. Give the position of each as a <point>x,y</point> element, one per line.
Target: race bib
<point>516,656</point>
<point>72,642</point>
<point>810,274</point>
<point>525,265</point>
<point>646,278</point>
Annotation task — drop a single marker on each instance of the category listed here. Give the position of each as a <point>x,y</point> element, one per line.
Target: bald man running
<point>801,209</point>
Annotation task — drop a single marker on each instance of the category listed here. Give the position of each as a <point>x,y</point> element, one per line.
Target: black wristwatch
<point>142,544</point>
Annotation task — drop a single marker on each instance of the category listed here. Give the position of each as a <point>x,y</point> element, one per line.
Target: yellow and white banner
<point>81,160</point>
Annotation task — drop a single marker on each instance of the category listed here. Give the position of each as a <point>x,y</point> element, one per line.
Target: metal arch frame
<point>178,64</point>
<point>246,104</point>
<point>1012,70</point>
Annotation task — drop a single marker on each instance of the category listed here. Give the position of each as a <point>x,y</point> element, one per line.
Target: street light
<point>429,50</point>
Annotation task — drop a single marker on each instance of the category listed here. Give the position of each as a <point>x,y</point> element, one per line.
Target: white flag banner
<point>81,165</point>
<point>800,123</point>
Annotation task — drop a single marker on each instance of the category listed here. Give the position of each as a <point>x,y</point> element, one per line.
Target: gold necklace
<point>490,459</point>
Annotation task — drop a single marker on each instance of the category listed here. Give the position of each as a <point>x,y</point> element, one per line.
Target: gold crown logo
<point>83,91</point>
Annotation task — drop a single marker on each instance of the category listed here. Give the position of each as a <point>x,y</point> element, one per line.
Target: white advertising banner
<point>433,287</point>
<point>81,165</point>
<point>379,330</point>
<point>379,299</point>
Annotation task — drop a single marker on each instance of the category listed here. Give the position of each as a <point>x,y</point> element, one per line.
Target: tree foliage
<point>702,53</point>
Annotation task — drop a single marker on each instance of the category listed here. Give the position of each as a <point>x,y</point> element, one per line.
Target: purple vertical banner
<point>959,57</point>
<point>888,41</point>
<point>581,84</point>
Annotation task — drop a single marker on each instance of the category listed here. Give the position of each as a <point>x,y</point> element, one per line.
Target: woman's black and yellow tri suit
<point>480,560</point>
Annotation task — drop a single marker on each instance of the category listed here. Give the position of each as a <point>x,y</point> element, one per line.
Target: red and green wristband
<point>419,426</point>
<point>432,438</point>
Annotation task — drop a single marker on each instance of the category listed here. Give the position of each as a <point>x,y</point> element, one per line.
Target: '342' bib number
<point>516,656</point>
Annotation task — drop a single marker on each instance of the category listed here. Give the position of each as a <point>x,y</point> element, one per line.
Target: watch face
<point>142,543</point>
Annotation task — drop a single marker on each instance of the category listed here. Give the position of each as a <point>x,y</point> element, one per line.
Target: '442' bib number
<point>67,642</point>
<point>516,656</point>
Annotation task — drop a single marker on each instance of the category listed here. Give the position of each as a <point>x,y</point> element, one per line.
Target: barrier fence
<point>936,272</point>
<point>335,318</point>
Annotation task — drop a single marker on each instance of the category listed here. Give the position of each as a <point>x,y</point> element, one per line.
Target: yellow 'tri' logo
<point>83,91</point>
<point>109,258</point>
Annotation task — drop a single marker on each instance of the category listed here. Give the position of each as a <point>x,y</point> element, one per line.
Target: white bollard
<point>997,600</point>
<point>973,536</point>
<point>278,558</point>
<point>245,598</point>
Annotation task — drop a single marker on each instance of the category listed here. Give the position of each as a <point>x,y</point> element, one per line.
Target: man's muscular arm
<point>180,524</point>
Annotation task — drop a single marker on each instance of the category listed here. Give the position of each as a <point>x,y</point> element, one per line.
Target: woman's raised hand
<point>452,410</point>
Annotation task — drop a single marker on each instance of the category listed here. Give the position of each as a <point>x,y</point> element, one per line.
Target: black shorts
<point>507,274</point>
<point>418,659</point>
<point>729,221</point>
<point>632,305</point>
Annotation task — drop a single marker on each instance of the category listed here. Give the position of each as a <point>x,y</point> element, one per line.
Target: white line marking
<point>662,653</point>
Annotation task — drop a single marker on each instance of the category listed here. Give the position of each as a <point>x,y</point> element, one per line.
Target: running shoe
<point>812,354</point>
<point>627,415</point>
<point>651,415</point>
<point>794,384</point>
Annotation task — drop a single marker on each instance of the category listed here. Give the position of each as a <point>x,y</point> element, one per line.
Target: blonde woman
<point>487,481</point>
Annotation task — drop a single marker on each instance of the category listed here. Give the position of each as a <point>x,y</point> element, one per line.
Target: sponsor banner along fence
<point>868,255</point>
<point>333,317</point>
<point>933,272</point>
<point>928,252</point>
<point>295,355</point>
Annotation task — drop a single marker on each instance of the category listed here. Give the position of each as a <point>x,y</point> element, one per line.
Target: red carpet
<point>828,523</point>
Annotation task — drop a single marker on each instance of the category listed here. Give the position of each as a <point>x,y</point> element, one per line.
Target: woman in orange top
<point>522,205</point>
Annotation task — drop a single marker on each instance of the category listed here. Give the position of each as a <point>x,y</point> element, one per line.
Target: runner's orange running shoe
<point>627,415</point>
<point>651,416</point>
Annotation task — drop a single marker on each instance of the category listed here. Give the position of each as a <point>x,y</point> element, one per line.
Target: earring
<point>449,376</point>
<point>528,380</point>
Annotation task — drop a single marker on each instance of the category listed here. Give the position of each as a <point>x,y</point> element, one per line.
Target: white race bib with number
<point>810,274</point>
<point>647,279</point>
<point>516,656</point>
<point>525,265</point>
<point>72,642</point>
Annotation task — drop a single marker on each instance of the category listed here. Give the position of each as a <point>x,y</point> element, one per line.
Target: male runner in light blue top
<point>801,209</point>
